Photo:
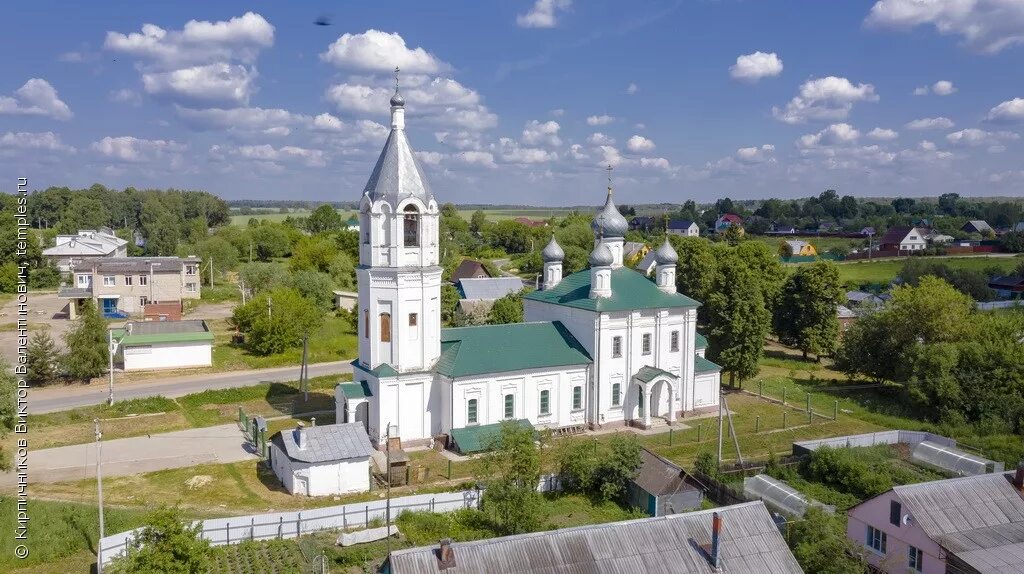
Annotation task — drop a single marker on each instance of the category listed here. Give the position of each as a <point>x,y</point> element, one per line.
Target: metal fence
<point>222,531</point>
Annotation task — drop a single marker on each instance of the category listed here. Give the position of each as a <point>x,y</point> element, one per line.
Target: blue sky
<point>521,101</point>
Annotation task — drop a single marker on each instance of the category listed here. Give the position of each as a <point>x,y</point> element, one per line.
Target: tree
<point>820,545</point>
<point>478,221</point>
<point>83,213</point>
<point>270,240</point>
<point>696,269</point>
<point>1014,242</point>
<point>739,320</point>
<point>315,286</point>
<point>577,463</point>
<point>510,235</point>
<point>43,359</point>
<point>449,303</point>
<point>167,544</point>
<point>220,251</point>
<point>806,316</point>
<point>617,467</point>
<point>313,254</point>
<point>8,409</point>
<point>510,471</point>
<point>767,268</point>
<point>508,309</point>
<point>259,276</point>
<point>277,321</point>
<point>88,354</point>
<point>323,219</point>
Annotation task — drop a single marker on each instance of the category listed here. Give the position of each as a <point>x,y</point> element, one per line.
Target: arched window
<point>411,226</point>
<point>385,327</point>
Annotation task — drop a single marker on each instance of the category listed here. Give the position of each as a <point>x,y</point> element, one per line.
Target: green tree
<point>277,320</point>
<point>511,471</point>
<point>696,269</point>
<point>706,463</point>
<point>618,466</point>
<point>315,286</point>
<point>767,268</point>
<point>87,354</point>
<point>449,303</point>
<point>820,545</point>
<point>313,254</point>
<point>324,219</point>
<point>478,221</point>
<point>43,359</point>
<point>218,250</point>
<point>577,462</point>
<point>259,276</point>
<point>739,320</point>
<point>83,213</point>
<point>162,235</point>
<point>806,315</point>
<point>508,309</point>
<point>8,410</point>
<point>270,240</point>
<point>510,235</point>
<point>167,544</point>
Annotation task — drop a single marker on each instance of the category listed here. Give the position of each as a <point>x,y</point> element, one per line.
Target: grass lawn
<point>865,272</point>
<point>821,244</point>
<point>333,342</point>
<point>500,214</point>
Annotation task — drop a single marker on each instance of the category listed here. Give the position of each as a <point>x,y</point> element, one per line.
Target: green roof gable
<point>467,351</point>
<point>473,439</point>
<point>358,390</point>
<point>630,290</point>
<point>382,370</point>
<point>701,342</point>
<point>648,374</point>
<point>702,365</point>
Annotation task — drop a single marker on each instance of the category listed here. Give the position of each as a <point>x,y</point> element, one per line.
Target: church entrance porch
<point>652,395</point>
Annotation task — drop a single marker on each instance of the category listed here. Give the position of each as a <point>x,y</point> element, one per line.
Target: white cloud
<point>1010,111</point>
<point>753,67</point>
<point>543,14</point>
<point>639,144</point>
<point>199,42</point>
<point>609,155</point>
<point>943,88</point>
<point>598,138</point>
<point>270,155</point>
<point>461,140</point>
<point>632,89</point>
<point>833,135</point>
<point>557,112</point>
<point>974,137</point>
<point>378,51</point>
<point>939,123</point>
<point>927,145</point>
<point>541,133</point>
<point>482,158</point>
<point>36,98</point>
<point>430,157</point>
<point>125,96</point>
<point>984,25</point>
<point>921,91</point>
<point>130,149</point>
<point>510,151</point>
<point>209,84</point>
<point>658,163</point>
<point>601,120</point>
<point>440,100</point>
<point>754,155</point>
<point>277,131</point>
<point>243,119</point>
<point>328,123</point>
<point>47,141</point>
<point>829,98</point>
<point>883,134</point>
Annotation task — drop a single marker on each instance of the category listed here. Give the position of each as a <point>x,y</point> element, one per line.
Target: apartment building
<point>123,286</point>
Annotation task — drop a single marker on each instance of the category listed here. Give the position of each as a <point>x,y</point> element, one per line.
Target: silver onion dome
<point>601,256</point>
<point>552,251</point>
<point>397,100</point>
<point>666,254</point>
<point>609,222</point>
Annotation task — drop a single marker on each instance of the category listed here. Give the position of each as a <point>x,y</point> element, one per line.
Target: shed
<point>660,487</point>
<point>322,460</point>
<point>143,345</point>
<point>347,300</point>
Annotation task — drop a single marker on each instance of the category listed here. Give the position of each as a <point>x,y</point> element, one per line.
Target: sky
<point>519,102</point>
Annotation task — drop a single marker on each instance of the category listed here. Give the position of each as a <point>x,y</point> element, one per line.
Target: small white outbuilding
<point>145,345</point>
<point>322,460</point>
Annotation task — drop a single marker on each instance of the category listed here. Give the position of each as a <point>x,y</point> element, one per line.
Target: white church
<point>605,346</point>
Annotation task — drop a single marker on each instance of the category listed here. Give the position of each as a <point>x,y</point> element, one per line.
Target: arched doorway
<point>654,396</point>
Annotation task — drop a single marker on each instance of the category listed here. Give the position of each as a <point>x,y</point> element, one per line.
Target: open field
<point>500,214</point>
<point>333,342</point>
<point>821,244</point>
<point>865,272</point>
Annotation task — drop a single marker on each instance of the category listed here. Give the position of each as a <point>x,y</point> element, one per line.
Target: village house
<point>977,226</point>
<point>683,227</point>
<point>1008,286</point>
<point>469,269</point>
<point>85,245</point>
<point>123,286</point>
<point>797,248</point>
<point>322,460</point>
<point>661,487</point>
<point>903,239</point>
<point>726,221</point>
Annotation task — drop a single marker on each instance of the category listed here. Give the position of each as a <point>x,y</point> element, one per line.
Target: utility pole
<point>387,525</point>
<point>99,487</point>
<point>250,252</point>
<point>304,372</point>
<point>111,350</point>
<point>720,398</point>
<point>211,271</point>
<point>270,309</point>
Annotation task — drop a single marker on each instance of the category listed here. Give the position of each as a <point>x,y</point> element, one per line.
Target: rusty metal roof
<point>750,542</point>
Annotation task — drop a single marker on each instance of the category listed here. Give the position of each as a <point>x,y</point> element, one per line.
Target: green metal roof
<point>648,374</point>
<point>701,342</point>
<point>473,439</point>
<point>702,365</point>
<point>469,351</point>
<point>382,370</point>
<point>359,390</point>
<point>131,340</point>
<point>155,332</point>
<point>630,290</point>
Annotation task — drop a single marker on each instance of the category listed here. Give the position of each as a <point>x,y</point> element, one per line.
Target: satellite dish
<point>907,520</point>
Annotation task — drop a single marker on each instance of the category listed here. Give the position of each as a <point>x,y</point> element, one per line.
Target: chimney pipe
<point>300,435</point>
<point>1018,478</point>
<point>312,421</point>
<point>716,530</point>
<point>445,555</point>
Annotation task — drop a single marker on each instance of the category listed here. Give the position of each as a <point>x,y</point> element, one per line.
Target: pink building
<point>963,525</point>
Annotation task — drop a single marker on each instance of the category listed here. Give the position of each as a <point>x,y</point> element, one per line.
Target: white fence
<point>222,531</point>
<point>999,304</point>
<point>870,439</point>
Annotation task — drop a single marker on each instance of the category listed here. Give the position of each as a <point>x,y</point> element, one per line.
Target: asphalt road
<point>68,397</point>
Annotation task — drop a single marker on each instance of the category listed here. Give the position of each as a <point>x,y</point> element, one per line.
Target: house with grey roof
<point>322,460</point>
<point>971,524</point>
<point>661,487</point>
<point>683,227</point>
<point>737,539</point>
<point>123,286</point>
<point>84,245</point>
<point>977,226</point>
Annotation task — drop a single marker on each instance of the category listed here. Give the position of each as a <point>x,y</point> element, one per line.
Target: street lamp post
<point>99,487</point>
<point>112,350</point>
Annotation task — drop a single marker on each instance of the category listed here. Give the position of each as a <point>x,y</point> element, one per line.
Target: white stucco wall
<point>167,356</point>
<point>526,386</point>
<point>325,479</point>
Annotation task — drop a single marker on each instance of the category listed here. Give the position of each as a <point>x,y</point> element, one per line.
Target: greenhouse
<point>779,495</point>
<point>953,460</point>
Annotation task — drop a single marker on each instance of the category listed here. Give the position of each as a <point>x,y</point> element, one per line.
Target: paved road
<point>126,456</point>
<point>69,397</point>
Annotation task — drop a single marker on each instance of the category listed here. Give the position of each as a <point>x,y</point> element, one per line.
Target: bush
<point>843,470</point>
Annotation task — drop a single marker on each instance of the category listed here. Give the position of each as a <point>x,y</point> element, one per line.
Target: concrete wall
<point>338,477</point>
<point>869,439</point>
<point>167,356</point>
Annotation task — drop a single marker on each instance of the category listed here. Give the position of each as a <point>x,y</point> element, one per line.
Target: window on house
<point>915,558</point>
<point>510,406</point>
<point>84,281</point>
<point>895,512</point>
<point>411,226</point>
<point>143,301</point>
<point>366,324</point>
<point>143,280</point>
<point>616,394</point>
<point>471,411</point>
<point>645,344</point>
<point>385,327</point>
<point>875,540</point>
<point>675,340</point>
<point>545,404</point>
<point>190,270</point>
<point>128,280</point>
<point>190,287</point>
<point>616,347</point>
<point>577,398</point>
<point>109,281</point>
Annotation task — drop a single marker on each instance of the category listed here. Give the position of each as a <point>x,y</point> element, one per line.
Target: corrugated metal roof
<point>138,264</point>
<point>149,332</point>
<point>630,290</point>
<point>660,476</point>
<point>648,373</point>
<point>397,174</point>
<point>702,365</point>
<point>489,288</point>
<point>750,542</point>
<point>469,351</point>
<point>327,443</point>
<point>478,438</point>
